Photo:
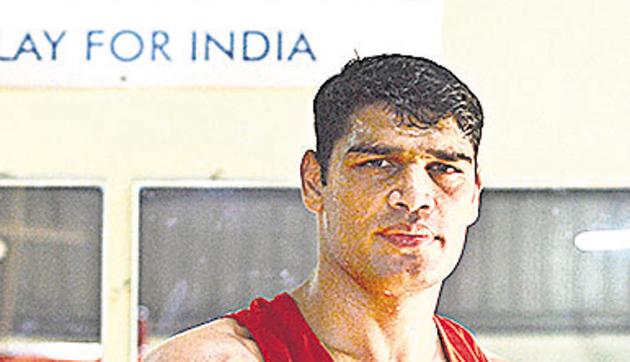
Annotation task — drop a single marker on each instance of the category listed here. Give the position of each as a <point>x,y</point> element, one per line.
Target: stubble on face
<point>358,206</point>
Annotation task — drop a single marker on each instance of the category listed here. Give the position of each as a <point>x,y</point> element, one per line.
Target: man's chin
<point>411,280</point>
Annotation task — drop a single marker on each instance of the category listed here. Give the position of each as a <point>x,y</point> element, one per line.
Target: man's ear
<point>312,187</point>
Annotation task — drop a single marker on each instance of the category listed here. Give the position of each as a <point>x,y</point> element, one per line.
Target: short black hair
<point>420,90</point>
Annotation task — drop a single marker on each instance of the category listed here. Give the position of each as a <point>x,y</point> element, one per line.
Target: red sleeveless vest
<point>283,335</point>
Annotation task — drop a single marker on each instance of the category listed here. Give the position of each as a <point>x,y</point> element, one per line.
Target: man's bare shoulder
<point>221,340</point>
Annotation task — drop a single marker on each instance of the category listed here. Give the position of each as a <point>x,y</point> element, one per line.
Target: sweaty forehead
<point>379,123</point>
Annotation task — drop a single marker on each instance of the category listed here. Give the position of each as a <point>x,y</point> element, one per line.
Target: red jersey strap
<point>282,334</point>
<point>458,343</point>
<point>280,331</point>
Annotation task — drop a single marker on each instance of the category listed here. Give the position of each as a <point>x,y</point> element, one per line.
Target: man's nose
<point>414,193</point>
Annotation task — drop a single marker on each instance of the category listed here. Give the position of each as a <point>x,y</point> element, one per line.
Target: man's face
<point>398,201</point>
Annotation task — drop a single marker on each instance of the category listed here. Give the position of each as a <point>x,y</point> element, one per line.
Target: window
<point>50,269</point>
<point>207,250</point>
<point>522,272</point>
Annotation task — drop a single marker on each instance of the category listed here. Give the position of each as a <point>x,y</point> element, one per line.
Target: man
<point>394,185</point>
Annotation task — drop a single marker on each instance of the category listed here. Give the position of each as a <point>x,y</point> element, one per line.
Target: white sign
<point>224,43</point>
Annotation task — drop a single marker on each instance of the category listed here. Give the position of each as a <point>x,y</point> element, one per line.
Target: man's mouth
<point>408,236</point>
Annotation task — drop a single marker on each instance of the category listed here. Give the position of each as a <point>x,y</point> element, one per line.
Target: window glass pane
<point>50,272</point>
<point>522,272</point>
<point>205,252</point>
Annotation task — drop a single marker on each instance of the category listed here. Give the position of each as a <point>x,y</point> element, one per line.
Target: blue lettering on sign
<point>90,43</point>
<point>155,46</point>
<point>256,46</point>
<point>159,41</point>
<point>27,46</point>
<point>246,40</point>
<point>298,49</point>
<point>229,52</point>
<point>128,45</point>
<point>279,52</point>
<point>193,55</point>
<point>135,56</point>
<point>54,43</point>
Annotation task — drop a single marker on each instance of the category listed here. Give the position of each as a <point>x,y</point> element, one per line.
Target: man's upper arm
<point>221,340</point>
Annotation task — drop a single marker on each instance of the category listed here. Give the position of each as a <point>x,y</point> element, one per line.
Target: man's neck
<point>366,325</point>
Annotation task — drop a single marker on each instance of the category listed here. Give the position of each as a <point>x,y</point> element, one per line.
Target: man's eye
<point>443,169</point>
<point>379,163</point>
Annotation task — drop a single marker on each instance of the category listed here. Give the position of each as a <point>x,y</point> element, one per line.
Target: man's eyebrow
<point>452,156</point>
<point>383,150</point>
<point>374,149</point>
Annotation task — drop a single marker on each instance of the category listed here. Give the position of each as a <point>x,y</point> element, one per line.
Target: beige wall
<point>552,75</point>
<point>154,133</point>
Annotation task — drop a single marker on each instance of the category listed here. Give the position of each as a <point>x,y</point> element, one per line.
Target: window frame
<point>137,187</point>
<point>85,183</point>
